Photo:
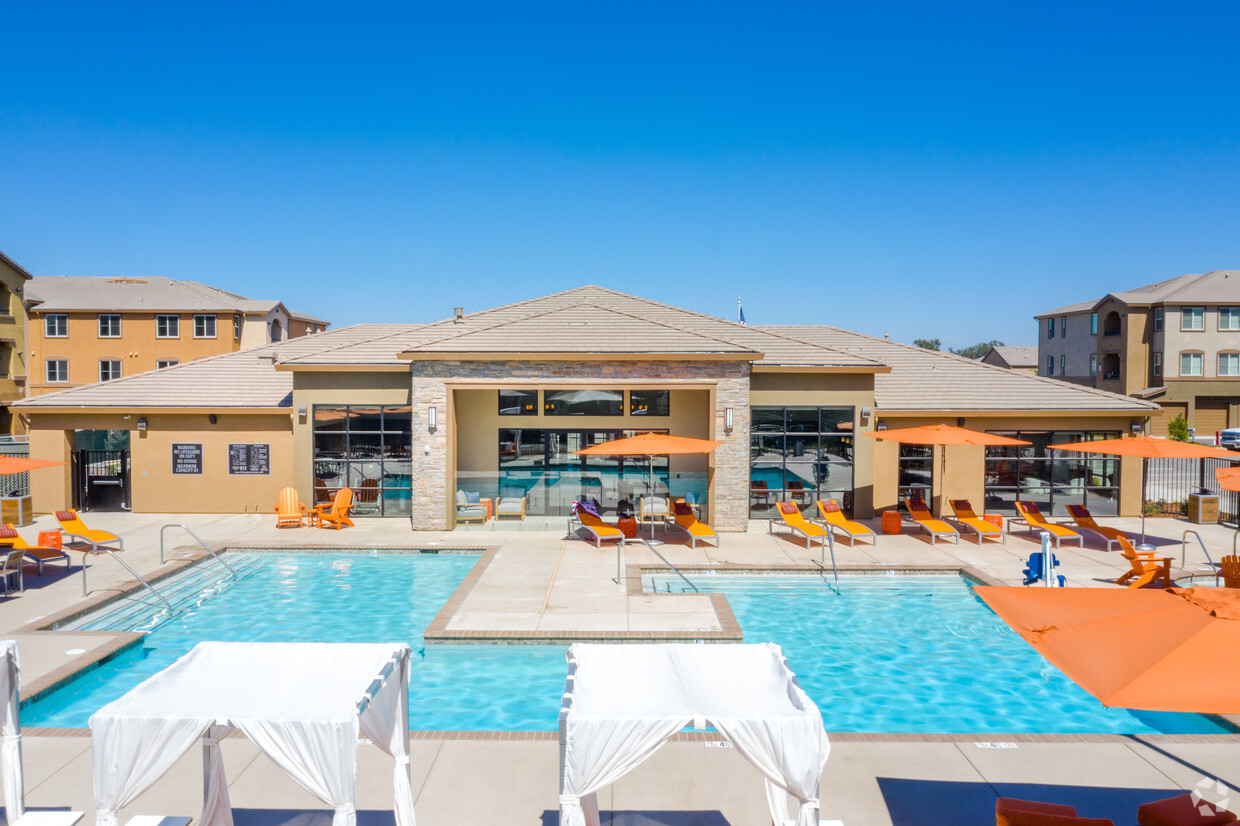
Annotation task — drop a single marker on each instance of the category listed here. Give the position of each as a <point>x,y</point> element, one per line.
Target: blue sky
<point>927,170</point>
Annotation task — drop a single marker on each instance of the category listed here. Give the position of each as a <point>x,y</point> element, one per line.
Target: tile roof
<point>589,320</point>
<point>1216,287</point>
<point>245,379</point>
<point>1017,356</point>
<point>929,380</point>
<point>90,293</point>
<point>918,379</point>
<point>1079,307</point>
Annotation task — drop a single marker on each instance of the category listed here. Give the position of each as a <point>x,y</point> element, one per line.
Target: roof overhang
<point>821,368</point>
<point>293,367</point>
<point>578,356</point>
<point>1043,412</point>
<point>136,408</point>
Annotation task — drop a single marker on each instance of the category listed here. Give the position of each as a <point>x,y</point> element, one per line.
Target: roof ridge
<point>342,345</point>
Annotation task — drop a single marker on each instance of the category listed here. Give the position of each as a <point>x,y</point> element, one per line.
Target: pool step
<point>143,611</point>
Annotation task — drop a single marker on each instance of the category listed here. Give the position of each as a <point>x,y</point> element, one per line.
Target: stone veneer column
<point>431,471</point>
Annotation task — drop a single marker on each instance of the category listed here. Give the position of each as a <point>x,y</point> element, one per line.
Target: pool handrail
<point>1184,551</point>
<point>198,539</point>
<point>666,561</point>
<point>101,549</point>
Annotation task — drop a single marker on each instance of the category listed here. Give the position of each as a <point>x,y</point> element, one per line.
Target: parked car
<point>1230,438</point>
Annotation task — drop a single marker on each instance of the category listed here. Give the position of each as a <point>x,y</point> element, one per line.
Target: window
<point>1158,364</point>
<point>57,370</point>
<point>366,448</point>
<point>1050,365</point>
<point>167,326</point>
<point>1111,325</point>
<point>1158,318</point>
<point>236,326</point>
<point>1062,361</point>
<point>1191,364</point>
<point>1051,478</point>
<point>277,331</point>
<point>1093,324</point>
<point>1063,328</point>
<point>162,363</point>
<point>800,454</point>
<point>583,402</point>
<point>56,325</point>
<point>650,402</point>
<point>518,402</point>
<point>1229,364</point>
<point>109,369</point>
<point>1093,364</point>
<point>1192,318</point>
<point>109,326</point>
<point>204,326</point>
<point>1050,328</point>
<point>1229,318</point>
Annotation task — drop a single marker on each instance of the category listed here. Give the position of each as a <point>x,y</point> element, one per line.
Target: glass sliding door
<point>366,448</point>
<point>800,454</point>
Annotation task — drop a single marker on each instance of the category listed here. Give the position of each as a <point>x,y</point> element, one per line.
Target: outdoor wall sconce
<point>142,423</point>
<point>867,412</point>
<point>212,418</point>
<point>1136,428</point>
<point>432,419</point>
<point>960,422</point>
<point>301,410</point>
<point>727,419</point>
<point>880,426</point>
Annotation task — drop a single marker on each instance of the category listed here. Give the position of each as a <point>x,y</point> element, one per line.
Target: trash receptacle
<point>1202,508</point>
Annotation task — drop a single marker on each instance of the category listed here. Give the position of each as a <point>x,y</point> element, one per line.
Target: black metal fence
<point>1169,482</point>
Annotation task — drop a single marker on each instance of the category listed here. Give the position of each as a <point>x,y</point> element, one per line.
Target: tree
<point>928,343</point>
<point>978,350</point>
<point>1177,428</point>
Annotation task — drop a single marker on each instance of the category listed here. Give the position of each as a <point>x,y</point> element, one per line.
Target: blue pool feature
<point>900,654</point>
<point>911,653</point>
<point>348,597</point>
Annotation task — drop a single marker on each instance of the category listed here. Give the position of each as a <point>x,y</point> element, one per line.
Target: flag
<point>740,313</point>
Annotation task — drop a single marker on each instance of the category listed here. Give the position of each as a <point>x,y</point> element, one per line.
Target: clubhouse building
<point>491,405</point>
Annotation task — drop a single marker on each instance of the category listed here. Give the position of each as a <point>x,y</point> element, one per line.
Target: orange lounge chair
<point>790,517</point>
<point>1229,568</point>
<point>1084,521</point>
<point>337,513</point>
<point>759,491</point>
<point>1146,567</point>
<point>35,553</point>
<point>73,525</point>
<point>289,510</point>
<point>937,528</point>
<point>1035,521</point>
<point>833,516</point>
<point>599,529</point>
<point>687,521</point>
<point>963,509</point>
<point>1012,812</point>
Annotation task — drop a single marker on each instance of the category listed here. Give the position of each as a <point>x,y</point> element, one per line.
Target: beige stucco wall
<point>153,486</point>
<point>311,388</point>
<point>825,390</point>
<point>964,474</point>
<point>13,357</point>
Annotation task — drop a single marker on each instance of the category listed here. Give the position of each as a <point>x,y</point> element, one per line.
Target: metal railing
<point>1184,549</point>
<point>1169,482</point>
<point>826,532</point>
<point>198,539</point>
<point>102,550</point>
<point>666,561</point>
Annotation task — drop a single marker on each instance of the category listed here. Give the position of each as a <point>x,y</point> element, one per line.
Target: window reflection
<point>366,448</point>
<point>1053,479</point>
<point>799,454</point>
<point>588,402</point>
<point>518,402</point>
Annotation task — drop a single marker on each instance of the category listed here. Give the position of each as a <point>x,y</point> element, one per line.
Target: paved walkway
<point>541,582</point>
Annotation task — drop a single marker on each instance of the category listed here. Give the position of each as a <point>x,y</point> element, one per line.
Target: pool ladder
<point>666,561</point>
<point>1184,551</point>
<point>197,539</point>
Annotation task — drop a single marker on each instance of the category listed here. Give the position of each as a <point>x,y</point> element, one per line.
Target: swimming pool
<point>885,654</point>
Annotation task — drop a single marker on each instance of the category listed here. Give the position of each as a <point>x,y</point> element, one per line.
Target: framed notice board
<point>187,458</point>
<point>249,460</point>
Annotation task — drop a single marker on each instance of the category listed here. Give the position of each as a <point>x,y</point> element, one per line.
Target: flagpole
<point>738,308</point>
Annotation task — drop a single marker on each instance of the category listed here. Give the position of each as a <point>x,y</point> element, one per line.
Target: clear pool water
<point>918,653</point>
<point>885,654</point>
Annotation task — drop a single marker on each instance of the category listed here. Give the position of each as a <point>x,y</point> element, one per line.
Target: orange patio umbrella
<point>1144,649</point>
<point>1148,447</point>
<point>17,464</point>
<point>942,435</point>
<point>1228,477</point>
<point>650,445</point>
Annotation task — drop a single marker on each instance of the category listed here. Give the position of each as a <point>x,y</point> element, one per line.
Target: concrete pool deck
<point>540,584</point>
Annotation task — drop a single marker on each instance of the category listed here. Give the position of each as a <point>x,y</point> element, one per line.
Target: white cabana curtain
<point>302,704</point>
<point>622,703</point>
<point>11,732</point>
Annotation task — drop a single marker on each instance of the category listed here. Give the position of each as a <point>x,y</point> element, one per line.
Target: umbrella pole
<point>1145,472</point>
<point>650,465</point>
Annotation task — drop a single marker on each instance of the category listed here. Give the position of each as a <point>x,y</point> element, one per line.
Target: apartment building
<point>1024,359</point>
<point>13,281</point>
<point>87,329</point>
<point>1175,342</point>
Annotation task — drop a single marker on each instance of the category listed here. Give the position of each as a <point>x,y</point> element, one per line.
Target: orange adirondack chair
<point>337,513</point>
<point>1146,567</point>
<point>1229,567</point>
<point>289,510</point>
